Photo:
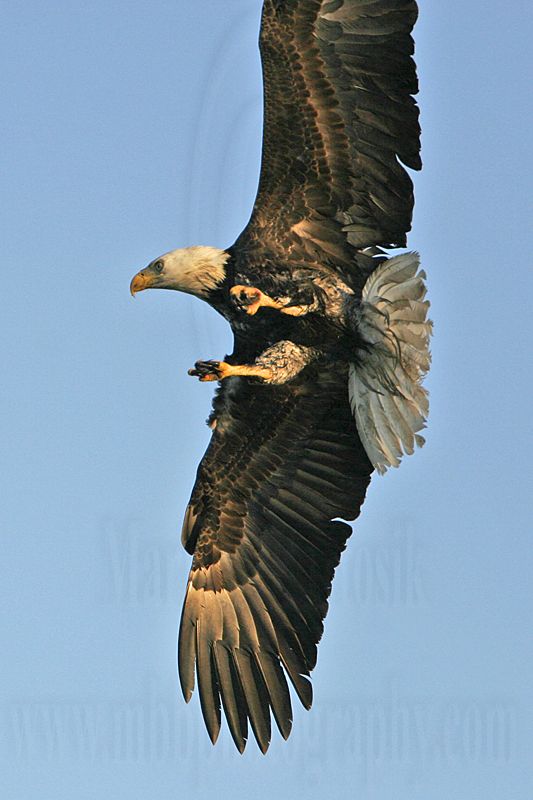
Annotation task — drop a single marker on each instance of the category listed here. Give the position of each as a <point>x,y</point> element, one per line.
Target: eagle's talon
<point>208,370</point>
<point>247,298</point>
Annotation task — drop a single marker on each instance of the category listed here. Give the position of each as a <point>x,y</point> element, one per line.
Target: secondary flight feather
<point>331,343</point>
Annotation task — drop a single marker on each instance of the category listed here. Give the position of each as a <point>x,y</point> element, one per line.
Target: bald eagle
<point>331,343</point>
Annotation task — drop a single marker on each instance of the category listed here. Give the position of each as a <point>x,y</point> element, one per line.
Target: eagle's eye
<point>158,266</point>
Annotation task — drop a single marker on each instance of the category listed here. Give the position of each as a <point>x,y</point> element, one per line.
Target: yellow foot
<point>210,370</point>
<point>250,299</point>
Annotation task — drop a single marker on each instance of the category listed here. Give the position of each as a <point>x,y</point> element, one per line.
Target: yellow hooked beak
<point>141,281</point>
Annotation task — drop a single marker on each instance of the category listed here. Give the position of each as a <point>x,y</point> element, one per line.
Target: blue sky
<point>129,128</point>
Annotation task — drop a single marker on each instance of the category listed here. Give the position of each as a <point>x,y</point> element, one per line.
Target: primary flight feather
<point>331,342</point>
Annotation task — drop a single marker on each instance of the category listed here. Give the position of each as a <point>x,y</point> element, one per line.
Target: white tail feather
<point>388,401</point>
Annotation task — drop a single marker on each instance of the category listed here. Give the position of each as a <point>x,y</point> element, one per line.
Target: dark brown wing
<point>339,119</point>
<point>283,463</point>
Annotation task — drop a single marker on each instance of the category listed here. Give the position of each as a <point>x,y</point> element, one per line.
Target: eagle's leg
<point>218,370</point>
<point>250,299</point>
<point>277,364</point>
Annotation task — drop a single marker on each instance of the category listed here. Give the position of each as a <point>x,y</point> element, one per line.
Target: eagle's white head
<point>195,270</point>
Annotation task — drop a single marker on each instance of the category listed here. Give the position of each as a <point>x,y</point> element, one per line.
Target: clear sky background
<point>130,128</point>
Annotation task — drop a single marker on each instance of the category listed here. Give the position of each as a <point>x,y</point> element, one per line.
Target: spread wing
<point>283,463</point>
<point>339,120</point>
